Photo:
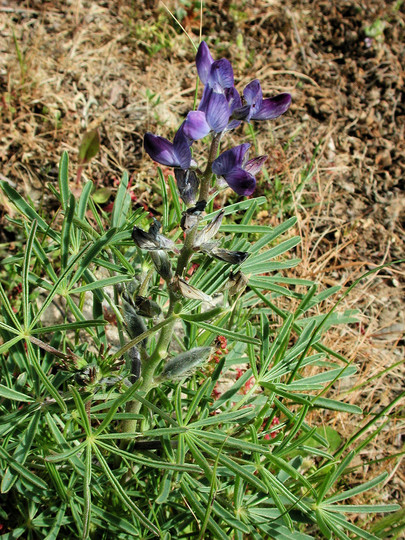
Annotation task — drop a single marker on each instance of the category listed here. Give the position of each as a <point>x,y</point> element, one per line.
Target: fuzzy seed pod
<point>187,184</point>
<point>134,323</point>
<point>182,365</point>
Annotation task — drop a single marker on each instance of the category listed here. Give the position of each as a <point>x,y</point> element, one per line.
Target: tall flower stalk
<point>221,109</point>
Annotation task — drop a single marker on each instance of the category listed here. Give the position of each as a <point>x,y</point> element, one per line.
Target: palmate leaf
<point>200,510</point>
<point>27,211</point>
<point>120,492</point>
<point>22,471</point>
<point>21,452</point>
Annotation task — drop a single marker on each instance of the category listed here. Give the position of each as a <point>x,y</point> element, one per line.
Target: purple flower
<point>257,108</point>
<point>176,154</point>
<point>237,171</point>
<point>217,74</point>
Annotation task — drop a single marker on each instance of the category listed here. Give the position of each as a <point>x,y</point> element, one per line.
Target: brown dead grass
<point>90,64</point>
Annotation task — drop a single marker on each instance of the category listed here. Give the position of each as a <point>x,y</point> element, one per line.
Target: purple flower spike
<point>238,173</point>
<point>176,154</point>
<point>257,108</point>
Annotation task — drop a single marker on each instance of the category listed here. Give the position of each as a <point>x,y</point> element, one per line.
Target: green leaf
<point>9,393</point>
<point>217,330</point>
<point>22,471</point>
<point>200,511</point>
<point>121,203</point>
<point>63,179</point>
<point>87,493</point>
<point>92,252</point>
<point>43,377</point>
<point>358,489</point>
<point>119,402</point>
<point>27,210</point>
<point>21,452</point>
<point>232,208</point>
<point>81,410</point>
<point>203,316</point>
<point>66,227</point>
<point>122,494</point>
<point>100,284</point>
<point>25,274</point>
<point>333,405</point>
<point>89,146</point>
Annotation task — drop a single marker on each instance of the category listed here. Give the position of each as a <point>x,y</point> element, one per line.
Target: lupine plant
<point>197,424</point>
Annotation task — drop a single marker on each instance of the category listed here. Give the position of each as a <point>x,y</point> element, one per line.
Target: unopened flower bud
<point>162,264</point>
<point>187,184</point>
<point>182,365</point>
<point>146,307</point>
<point>134,323</point>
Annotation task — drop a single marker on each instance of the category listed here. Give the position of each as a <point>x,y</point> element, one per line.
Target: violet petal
<point>273,107</point>
<point>196,125</point>
<point>217,115</point>
<point>160,150</point>
<point>203,61</point>
<point>242,182</point>
<point>230,159</point>
<point>221,75</point>
<point>181,147</point>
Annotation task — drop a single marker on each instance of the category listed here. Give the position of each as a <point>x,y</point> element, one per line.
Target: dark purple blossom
<point>257,108</point>
<point>239,173</point>
<point>175,154</point>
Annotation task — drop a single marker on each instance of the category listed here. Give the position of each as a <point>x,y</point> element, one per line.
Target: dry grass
<point>125,68</point>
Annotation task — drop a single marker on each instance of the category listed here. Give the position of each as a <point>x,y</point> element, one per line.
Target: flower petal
<point>160,150</point>
<point>196,126</point>
<point>242,182</point>
<point>181,147</point>
<point>273,107</point>
<point>253,166</point>
<point>203,61</point>
<point>233,99</point>
<point>253,93</point>
<point>217,114</point>
<point>230,159</point>
<point>221,75</point>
